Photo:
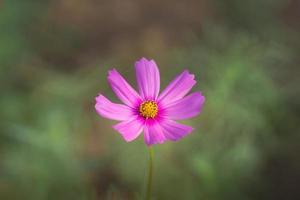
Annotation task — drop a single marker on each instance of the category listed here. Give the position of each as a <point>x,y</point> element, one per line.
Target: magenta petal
<point>110,110</point>
<point>148,79</point>
<point>175,131</point>
<point>185,108</point>
<point>130,129</point>
<point>178,88</point>
<point>153,133</point>
<point>122,89</point>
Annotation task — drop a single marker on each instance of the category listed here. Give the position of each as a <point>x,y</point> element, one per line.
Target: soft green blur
<point>54,58</point>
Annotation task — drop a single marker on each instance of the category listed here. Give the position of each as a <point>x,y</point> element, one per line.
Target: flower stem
<point>150,174</point>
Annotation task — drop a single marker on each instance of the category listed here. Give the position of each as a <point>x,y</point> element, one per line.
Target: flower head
<point>148,111</point>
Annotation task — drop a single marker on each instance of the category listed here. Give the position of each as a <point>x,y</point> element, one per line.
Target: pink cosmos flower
<point>148,111</point>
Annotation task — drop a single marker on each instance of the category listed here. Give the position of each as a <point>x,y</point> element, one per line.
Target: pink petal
<point>153,133</point>
<point>122,89</point>
<point>186,107</point>
<point>178,88</point>
<point>110,110</point>
<point>148,79</point>
<point>175,131</point>
<point>130,129</point>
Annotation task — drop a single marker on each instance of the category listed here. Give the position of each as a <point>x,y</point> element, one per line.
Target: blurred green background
<point>54,57</point>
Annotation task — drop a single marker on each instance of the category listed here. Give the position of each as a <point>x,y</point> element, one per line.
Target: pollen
<point>148,109</point>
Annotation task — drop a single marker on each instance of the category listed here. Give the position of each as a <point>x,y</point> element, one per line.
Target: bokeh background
<point>54,57</point>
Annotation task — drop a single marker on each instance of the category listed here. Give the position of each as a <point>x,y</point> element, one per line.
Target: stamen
<point>148,109</point>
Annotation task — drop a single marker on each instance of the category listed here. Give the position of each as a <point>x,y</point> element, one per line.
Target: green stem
<point>150,174</point>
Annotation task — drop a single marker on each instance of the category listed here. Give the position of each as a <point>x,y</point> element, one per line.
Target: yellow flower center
<point>148,109</point>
